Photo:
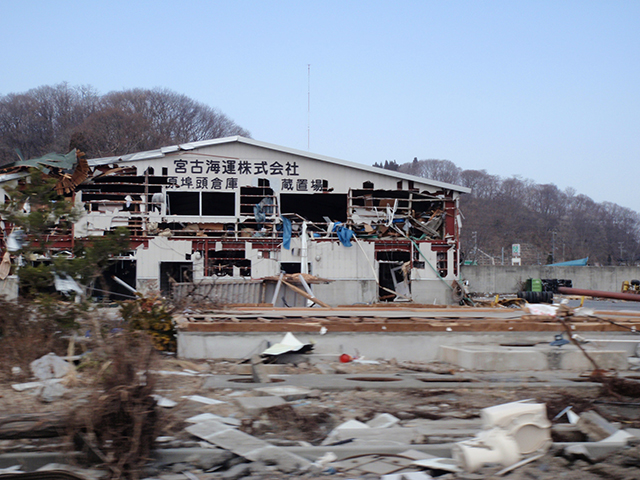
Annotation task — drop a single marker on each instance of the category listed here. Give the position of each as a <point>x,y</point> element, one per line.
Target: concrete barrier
<point>508,279</point>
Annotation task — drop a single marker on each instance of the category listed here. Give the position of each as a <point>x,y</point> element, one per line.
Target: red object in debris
<point>344,358</point>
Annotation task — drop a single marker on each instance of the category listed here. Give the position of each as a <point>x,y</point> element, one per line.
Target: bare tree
<point>514,210</point>
<point>56,118</point>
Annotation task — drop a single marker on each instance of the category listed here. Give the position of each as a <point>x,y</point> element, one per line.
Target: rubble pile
<point>459,425</point>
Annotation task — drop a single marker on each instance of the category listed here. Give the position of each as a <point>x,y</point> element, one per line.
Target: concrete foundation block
<point>541,357</point>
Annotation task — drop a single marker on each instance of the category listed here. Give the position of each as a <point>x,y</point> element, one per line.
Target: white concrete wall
<point>160,249</point>
<point>410,346</point>
<point>499,279</point>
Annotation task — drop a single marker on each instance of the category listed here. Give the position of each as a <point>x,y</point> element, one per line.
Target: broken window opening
<point>394,274</point>
<point>293,267</point>
<point>120,189</point>
<point>259,204</point>
<point>172,273</point>
<point>417,215</point>
<point>222,263</point>
<point>443,264</point>
<point>125,270</point>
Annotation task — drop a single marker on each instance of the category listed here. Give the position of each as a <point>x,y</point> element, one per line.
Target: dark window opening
<point>399,185</point>
<point>314,207</point>
<point>291,267</point>
<point>174,272</point>
<point>264,182</point>
<point>213,203</point>
<point>367,185</point>
<point>183,203</point>
<point>219,203</point>
<point>221,264</point>
<point>165,171</point>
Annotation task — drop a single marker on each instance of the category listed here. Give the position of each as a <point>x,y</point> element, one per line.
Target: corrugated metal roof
<point>161,152</point>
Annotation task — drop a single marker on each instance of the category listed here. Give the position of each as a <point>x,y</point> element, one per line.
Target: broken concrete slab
<point>407,476</point>
<point>397,435</point>
<point>255,405</point>
<point>383,420</point>
<point>237,471</point>
<point>595,427</point>
<point>446,464</point>
<point>258,371</point>
<point>210,458</point>
<point>248,446</point>
<point>205,400</point>
<point>234,422</point>
<point>286,392</point>
<point>285,461</point>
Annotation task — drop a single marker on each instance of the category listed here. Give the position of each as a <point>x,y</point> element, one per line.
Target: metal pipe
<point>633,297</point>
<point>124,284</point>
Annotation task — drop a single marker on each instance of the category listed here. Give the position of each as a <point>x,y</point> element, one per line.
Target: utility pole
<point>308,106</point>
<point>553,246</point>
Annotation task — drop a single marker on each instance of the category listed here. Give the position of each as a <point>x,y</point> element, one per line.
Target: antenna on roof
<point>308,106</point>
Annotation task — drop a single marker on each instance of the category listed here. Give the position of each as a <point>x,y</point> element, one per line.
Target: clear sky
<point>547,90</point>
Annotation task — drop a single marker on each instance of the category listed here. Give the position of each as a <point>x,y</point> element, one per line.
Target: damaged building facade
<point>236,213</point>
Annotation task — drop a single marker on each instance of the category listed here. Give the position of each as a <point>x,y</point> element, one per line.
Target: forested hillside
<point>61,117</point>
<point>502,211</point>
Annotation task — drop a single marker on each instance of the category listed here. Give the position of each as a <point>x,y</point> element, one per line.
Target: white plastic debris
<point>542,309</point>
<point>288,344</point>
<point>50,366</point>
<point>164,402</point>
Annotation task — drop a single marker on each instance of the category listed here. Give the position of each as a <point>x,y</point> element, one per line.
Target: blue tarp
<point>344,234</point>
<point>581,262</point>
<point>286,233</point>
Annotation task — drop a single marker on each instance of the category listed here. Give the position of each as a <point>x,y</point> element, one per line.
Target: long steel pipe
<point>633,297</point>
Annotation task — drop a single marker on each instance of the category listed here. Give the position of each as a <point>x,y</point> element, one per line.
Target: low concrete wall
<point>499,279</point>
<point>411,346</point>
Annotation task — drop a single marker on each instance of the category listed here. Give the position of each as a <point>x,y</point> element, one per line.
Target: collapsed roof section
<point>70,169</point>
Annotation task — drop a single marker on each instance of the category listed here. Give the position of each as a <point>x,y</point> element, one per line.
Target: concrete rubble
<point>422,421</point>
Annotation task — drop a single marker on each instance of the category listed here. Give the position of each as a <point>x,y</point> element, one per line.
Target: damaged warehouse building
<point>226,217</point>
